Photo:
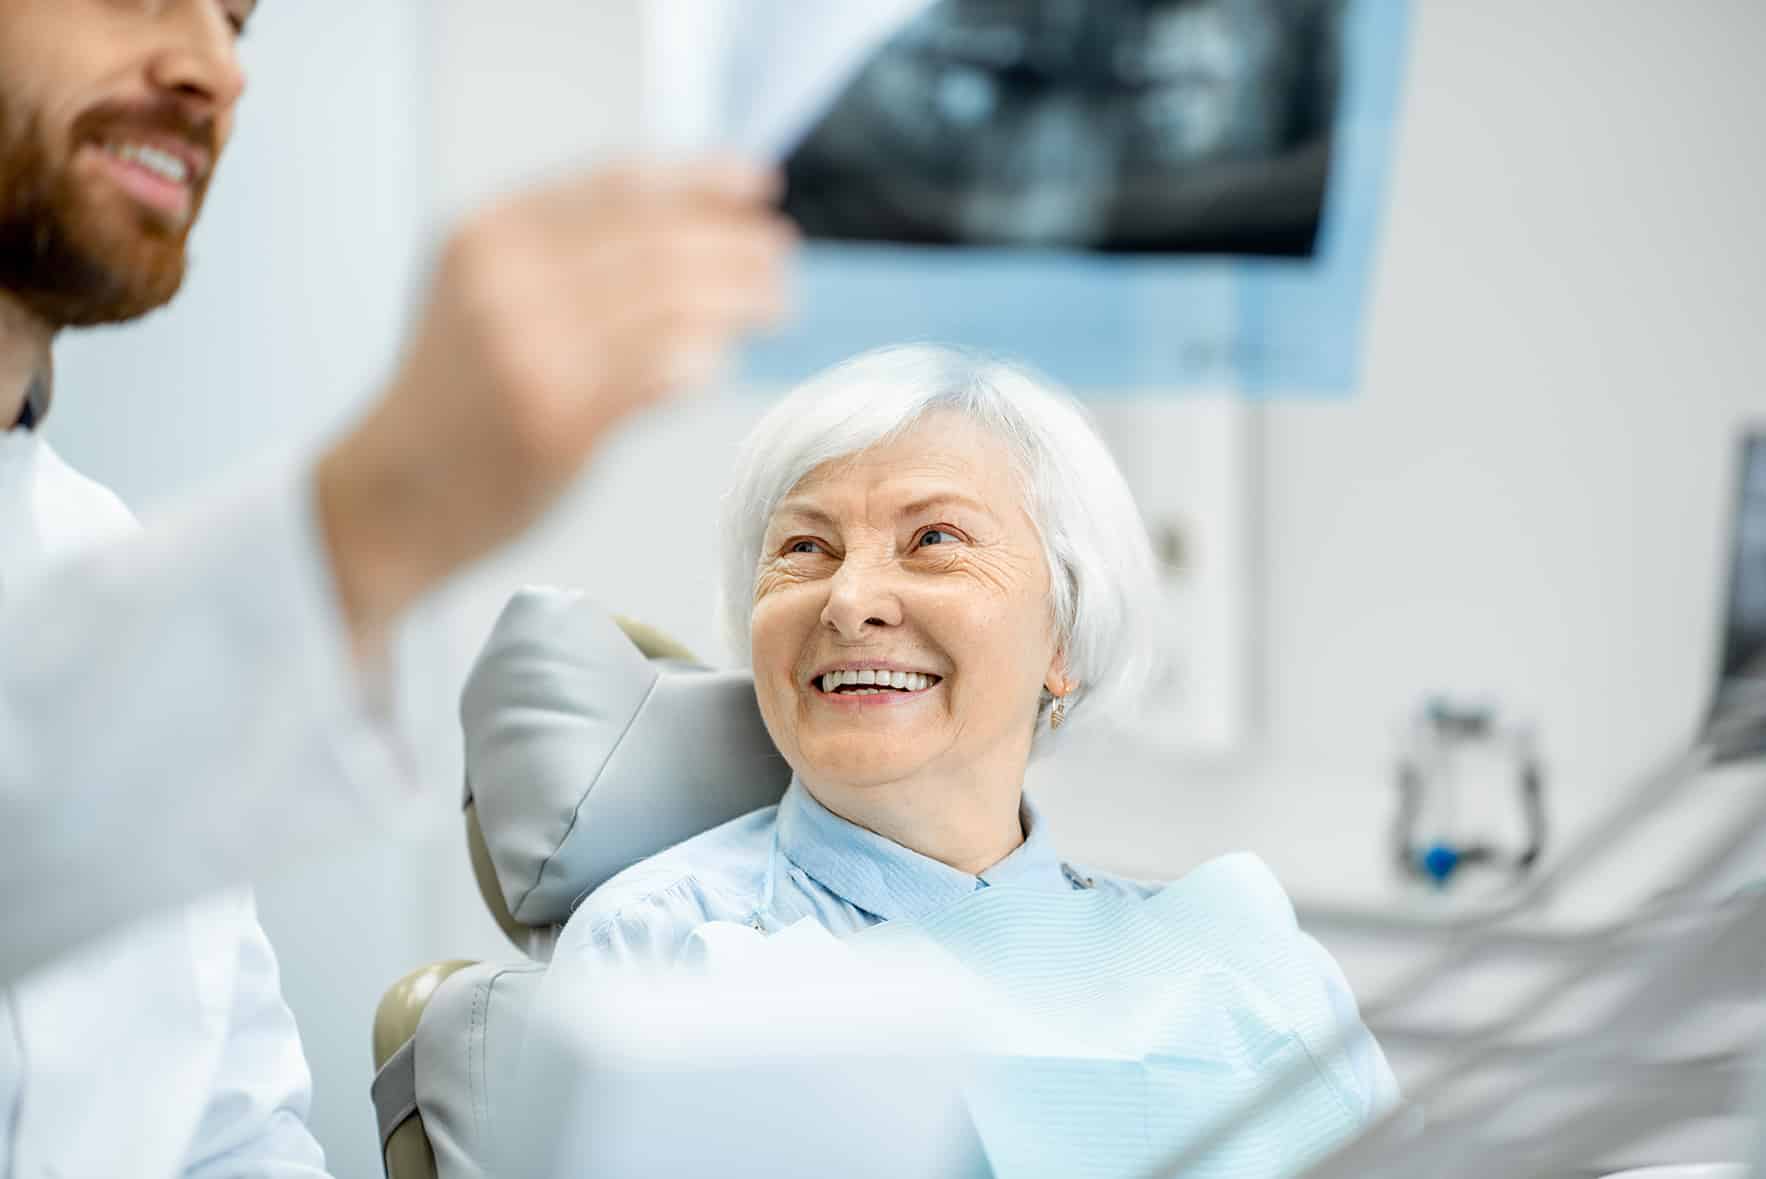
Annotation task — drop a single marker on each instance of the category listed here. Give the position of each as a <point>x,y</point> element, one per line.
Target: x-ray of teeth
<point>1194,126</point>
<point>1135,194</point>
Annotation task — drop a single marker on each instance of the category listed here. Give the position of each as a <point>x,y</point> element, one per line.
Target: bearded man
<point>186,705</point>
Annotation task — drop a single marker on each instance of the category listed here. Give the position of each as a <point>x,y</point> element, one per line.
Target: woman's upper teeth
<point>156,160</point>
<point>910,681</point>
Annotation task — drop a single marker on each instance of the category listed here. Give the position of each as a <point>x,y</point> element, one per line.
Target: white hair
<point>1102,584</point>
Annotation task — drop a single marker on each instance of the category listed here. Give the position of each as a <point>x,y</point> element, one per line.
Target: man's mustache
<point>111,121</point>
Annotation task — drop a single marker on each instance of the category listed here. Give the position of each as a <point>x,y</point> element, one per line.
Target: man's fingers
<point>695,262</point>
<point>732,307</point>
<point>714,183</point>
<point>650,330</point>
<point>690,252</point>
<point>718,180</point>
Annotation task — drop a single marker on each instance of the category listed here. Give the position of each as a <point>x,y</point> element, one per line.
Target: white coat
<point>176,708</point>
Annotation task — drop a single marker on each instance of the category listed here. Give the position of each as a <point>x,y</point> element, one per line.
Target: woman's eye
<point>934,536</point>
<point>803,546</point>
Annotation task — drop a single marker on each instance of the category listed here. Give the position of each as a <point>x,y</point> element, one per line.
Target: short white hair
<point>1102,581</point>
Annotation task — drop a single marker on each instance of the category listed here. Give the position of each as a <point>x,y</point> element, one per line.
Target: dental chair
<point>591,743</point>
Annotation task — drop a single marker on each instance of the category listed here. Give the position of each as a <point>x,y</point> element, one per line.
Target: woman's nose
<point>860,596</point>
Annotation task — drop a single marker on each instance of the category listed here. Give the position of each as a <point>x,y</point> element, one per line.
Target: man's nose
<point>861,595</point>
<point>198,58</point>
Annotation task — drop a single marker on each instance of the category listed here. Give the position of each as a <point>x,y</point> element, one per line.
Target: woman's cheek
<point>775,629</point>
<point>763,638</point>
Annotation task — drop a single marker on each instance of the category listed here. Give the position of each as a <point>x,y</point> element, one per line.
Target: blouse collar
<point>893,882</point>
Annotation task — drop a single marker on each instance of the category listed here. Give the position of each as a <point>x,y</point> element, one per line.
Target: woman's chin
<point>860,763</point>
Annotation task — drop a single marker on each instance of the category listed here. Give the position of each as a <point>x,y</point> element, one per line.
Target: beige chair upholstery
<point>463,994</point>
<point>407,1154</point>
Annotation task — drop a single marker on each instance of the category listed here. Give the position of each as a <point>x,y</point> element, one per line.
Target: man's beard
<point>73,257</point>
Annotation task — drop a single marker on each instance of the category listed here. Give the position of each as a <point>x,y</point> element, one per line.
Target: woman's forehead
<point>945,457</point>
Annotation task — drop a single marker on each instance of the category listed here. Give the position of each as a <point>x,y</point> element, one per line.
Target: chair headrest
<point>585,754</point>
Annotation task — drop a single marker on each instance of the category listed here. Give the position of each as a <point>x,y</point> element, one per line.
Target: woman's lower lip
<point>871,699</point>
<point>165,197</point>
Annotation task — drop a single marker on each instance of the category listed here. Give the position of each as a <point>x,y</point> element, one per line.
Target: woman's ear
<point>1057,681</point>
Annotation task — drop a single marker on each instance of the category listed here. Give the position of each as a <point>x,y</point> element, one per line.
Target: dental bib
<point>1103,1035</point>
<point>1126,1028</point>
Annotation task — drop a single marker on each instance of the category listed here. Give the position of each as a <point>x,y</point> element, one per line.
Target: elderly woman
<point>936,571</point>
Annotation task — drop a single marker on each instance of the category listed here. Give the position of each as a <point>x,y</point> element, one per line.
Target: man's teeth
<point>161,163</point>
<point>877,681</point>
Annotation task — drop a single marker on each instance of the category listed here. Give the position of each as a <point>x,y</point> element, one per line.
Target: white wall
<point>1527,496</point>
<point>1524,499</point>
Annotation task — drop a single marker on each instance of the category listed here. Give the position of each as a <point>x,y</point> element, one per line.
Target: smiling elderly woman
<point>936,570</point>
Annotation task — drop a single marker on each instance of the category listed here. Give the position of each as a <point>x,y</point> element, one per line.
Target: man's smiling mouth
<point>158,169</point>
<point>161,163</point>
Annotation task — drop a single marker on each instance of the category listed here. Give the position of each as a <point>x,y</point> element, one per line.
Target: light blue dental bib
<point>1133,1026</point>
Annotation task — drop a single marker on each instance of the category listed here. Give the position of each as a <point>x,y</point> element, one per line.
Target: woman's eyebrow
<point>804,513</point>
<point>801,512</point>
<point>926,503</point>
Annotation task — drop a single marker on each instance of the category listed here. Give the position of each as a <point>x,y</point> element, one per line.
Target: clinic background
<point>1526,498</point>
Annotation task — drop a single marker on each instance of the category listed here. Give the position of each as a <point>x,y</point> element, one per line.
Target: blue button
<point>1439,862</point>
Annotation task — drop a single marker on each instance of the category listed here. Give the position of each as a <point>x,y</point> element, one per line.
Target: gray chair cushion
<point>584,756</point>
<point>466,1056</point>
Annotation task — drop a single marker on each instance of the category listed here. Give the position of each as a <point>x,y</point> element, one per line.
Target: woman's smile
<point>860,687</point>
<point>856,675</point>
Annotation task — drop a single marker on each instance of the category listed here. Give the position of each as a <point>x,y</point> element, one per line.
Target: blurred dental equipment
<point>1621,1040</point>
<point>1448,744</point>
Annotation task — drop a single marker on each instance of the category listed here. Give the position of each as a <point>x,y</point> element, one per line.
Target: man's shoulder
<point>96,507</point>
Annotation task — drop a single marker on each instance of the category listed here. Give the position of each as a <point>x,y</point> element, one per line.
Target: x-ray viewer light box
<point>1097,289</point>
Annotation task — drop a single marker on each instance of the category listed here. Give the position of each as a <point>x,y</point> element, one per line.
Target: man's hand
<point>551,317</point>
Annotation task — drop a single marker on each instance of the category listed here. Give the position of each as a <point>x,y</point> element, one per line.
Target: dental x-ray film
<point>1144,194</point>
<point>1187,126</point>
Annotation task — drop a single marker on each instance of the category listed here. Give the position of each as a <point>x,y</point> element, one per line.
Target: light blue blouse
<point>847,879</point>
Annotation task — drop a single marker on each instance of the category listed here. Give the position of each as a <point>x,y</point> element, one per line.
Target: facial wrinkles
<point>999,567</point>
<point>871,540</point>
<point>866,515</point>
